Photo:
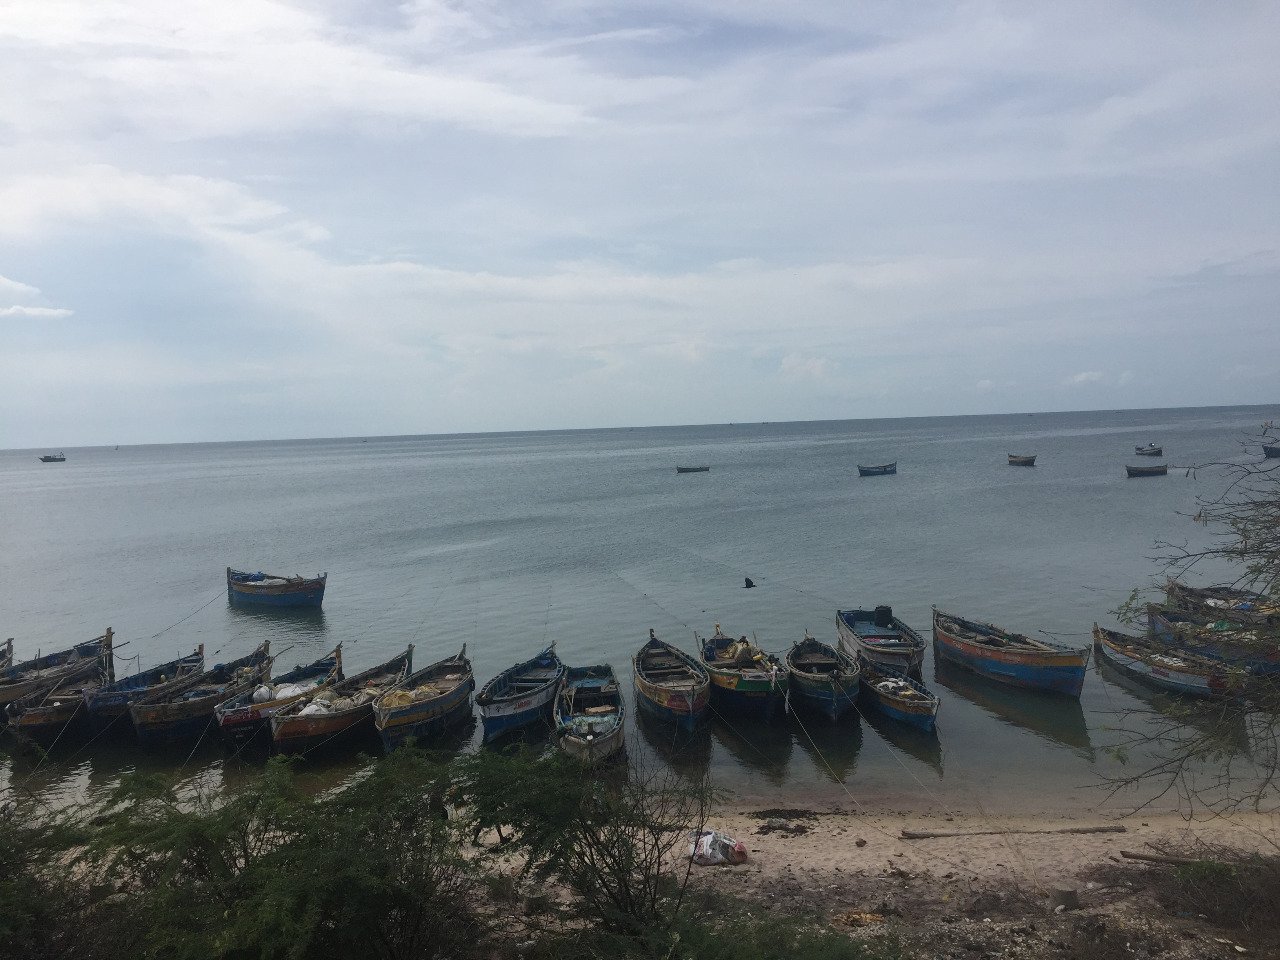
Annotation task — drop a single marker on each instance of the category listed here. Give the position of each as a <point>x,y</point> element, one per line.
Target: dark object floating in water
<point>1157,471</point>
<point>880,470</point>
<point>1150,450</point>
<point>275,591</point>
<point>692,469</point>
<point>1270,452</point>
<point>1017,460</point>
<point>749,584</point>
<point>54,458</point>
<point>1007,657</point>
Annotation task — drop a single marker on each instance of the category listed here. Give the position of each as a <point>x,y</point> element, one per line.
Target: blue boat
<point>822,678</point>
<point>520,695</point>
<point>1011,658</point>
<point>110,703</point>
<point>186,711</point>
<point>78,662</point>
<point>271,590</point>
<point>670,685</point>
<point>244,717</point>
<point>426,703</point>
<point>898,696</point>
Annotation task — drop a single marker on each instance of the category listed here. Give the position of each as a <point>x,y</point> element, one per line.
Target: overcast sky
<point>249,219</point>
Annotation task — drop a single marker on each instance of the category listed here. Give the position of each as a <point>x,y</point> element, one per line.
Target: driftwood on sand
<point>930,834</point>
<point>1160,858</point>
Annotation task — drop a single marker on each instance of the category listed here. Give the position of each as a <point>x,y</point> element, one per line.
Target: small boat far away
<point>692,469</point>
<point>1270,452</point>
<point>54,458</point>
<point>1150,450</point>
<point>1159,470</point>
<point>589,714</point>
<point>881,470</point>
<point>270,590</point>
<point>1010,658</point>
<point>1022,460</point>
<point>670,685</point>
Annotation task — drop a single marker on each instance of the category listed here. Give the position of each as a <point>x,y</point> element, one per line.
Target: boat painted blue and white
<point>880,637</point>
<point>109,705</point>
<point>521,695</point>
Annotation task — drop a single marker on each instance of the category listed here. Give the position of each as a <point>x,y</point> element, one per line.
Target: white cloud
<point>798,367</point>
<point>984,386</point>
<point>1085,376</point>
<point>43,312</point>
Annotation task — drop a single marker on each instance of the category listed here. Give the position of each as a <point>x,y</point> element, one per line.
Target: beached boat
<point>898,696</point>
<point>1169,668</point>
<point>879,470</point>
<point>110,702</point>
<point>822,678</point>
<point>58,713</point>
<point>43,673</point>
<point>589,714</point>
<point>692,469</point>
<point>337,713</point>
<point>1010,658</point>
<point>54,458</point>
<point>1019,460</point>
<point>880,637</point>
<point>1150,450</point>
<point>520,695</point>
<point>1270,452</point>
<point>185,710</point>
<point>1225,603</point>
<point>670,685</point>
<point>1246,646</point>
<point>426,703</point>
<point>6,654</point>
<point>1156,471</point>
<point>271,590</point>
<point>245,716</point>
<point>744,679</point>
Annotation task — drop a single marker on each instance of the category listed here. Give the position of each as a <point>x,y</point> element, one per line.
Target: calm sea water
<point>505,542</point>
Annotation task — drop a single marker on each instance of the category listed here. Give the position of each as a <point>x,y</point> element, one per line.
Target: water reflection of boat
<point>833,747</point>
<point>756,745</point>
<point>688,753</point>
<point>1059,719</point>
<point>914,742</point>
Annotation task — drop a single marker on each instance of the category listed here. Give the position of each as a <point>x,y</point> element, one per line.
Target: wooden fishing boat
<point>880,637</point>
<point>1150,450</point>
<point>1010,658</point>
<point>185,711</point>
<point>54,458</point>
<point>898,696</point>
<point>47,716</point>
<point>1157,471</point>
<point>520,695</point>
<point>271,590</point>
<point>744,679</point>
<point>1169,668</point>
<point>6,654</point>
<point>670,685</point>
<point>1270,452</point>
<point>110,703</point>
<point>822,678</point>
<point>1019,460</point>
<point>426,703</point>
<point>589,714</point>
<point>243,717</point>
<point>880,470</point>
<point>337,713</point>
<point>1224,603</point>
<point>692,469</point>
<point>1245,646</point>
<point>43,673</point>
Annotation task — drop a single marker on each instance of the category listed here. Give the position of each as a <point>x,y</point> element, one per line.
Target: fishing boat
<point>1270,452</point>
<point>6,654</point>
<point>589,714</point>
<point>245,716</point>
<point>47,716</point>
<point>185,710</point>
<point>880,470</point>
<point>338,713</point>
<point>822,678</point>
<point>1169,668</point>
<point>1150,450</point>
<point>744,679</point>
<point>54,458</point>
<point>1019,460</point>
<point>670,685</point>
<point>1225,603</point>
<point>1011,658</point>
<point>880,637</point>
<point>1159,470</point>
<point>110,702</point>
<point>426,703</point>
<point>692,469</point>
<point>898,696</point>
<point>1245,646</point>
<point>43,673</point>
<point>272,590</point>
<point>520,695</point>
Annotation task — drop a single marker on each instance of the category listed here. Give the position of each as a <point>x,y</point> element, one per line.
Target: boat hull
<point>882,470</point>
<point>683,708</point>
<point>291,593</point>
<point>922,716</point>
<point>424,722</point>
<point>1160,471</point>
<point>732,693</point>
<point>506,717</point>
<point>47,725</point>
<point>598,750</point>
<point>1205,684</point>
<point>298,734</point>
<point>1032,670</point>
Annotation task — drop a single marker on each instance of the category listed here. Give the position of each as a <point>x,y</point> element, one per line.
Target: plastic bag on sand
<point>262,694</point>
<point>710,848</point>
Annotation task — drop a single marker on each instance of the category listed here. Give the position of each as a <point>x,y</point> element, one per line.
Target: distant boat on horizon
<point>692,469</point>
<point>54,458</point>
<point>880,470</point>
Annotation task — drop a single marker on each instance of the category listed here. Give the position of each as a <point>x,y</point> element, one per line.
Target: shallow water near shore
<point>505,542</point>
